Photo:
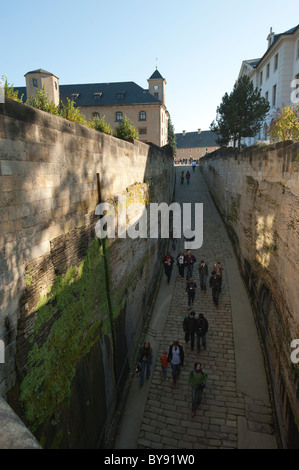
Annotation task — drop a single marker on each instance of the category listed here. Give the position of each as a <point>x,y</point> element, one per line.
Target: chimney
<point>184,132</point>
<point>270,38</point>
<point>199,131</point>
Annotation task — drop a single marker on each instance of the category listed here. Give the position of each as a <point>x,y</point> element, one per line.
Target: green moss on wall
<point>28,276</point>
<point>70,317</point>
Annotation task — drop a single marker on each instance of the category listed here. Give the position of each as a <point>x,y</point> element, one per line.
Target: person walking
<point>176,358</point>
<point>215,284</point>
<point>193,165</point>
<point>168,265</point>
<point>190,289</point>
<point>190,260</point>
<point>203,275</point>
<point>189,327</point>
<point>197,380</point>
<point>219,270</point>
<point>188,176</point>
<point>202,326</point>
<point>145,360</point>
<point>164,363</point>
<point>181,264</point>
<point>182,177</point>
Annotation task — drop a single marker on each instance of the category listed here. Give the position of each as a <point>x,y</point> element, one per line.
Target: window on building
<point>297,57</point>
<point>74,96</point>
<point>267,95</point>
<point>119,116</point>
<point>96,115</point>
<point>142,116</point>
<point>275,62</point>
<point>156,94</point>
<point>274,96</point>
<point>56,86</point>
<point>97,95</point>
<point>120,94</point>
<point>261,78</point>
<point>142,130</point>
<point>268,70</point>
<point>35,83</point>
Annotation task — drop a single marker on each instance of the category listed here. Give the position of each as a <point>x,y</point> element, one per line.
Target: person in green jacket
<point>197,380</point>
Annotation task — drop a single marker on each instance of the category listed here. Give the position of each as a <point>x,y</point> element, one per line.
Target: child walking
<point>164,363</point>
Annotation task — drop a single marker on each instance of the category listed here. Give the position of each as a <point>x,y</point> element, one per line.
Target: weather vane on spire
<point>156,63</point>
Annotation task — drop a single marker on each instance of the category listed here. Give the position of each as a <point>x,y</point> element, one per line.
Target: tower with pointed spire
<point>156,86</point>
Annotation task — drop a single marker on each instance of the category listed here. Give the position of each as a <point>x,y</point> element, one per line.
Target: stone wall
<point>257,193</point>
<point>72,305</point>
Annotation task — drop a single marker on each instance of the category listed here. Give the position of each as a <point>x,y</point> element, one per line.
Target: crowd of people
<point>195,328</point>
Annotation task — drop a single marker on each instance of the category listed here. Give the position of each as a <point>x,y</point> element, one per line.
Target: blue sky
<point>197,45</point>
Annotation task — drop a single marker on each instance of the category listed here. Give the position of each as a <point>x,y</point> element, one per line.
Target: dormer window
<point>97,95</point>
<point>75,96</point>
<point>120,94</point>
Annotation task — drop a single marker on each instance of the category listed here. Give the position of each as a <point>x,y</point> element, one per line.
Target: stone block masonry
<point>72,306</point>
<point>257,194</point>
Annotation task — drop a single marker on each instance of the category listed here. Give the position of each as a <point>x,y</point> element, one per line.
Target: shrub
<point>9,91</point>
<point>99,124</point>
<point>285,124</point>
<point>41,101</point>
<point>72,113</point>
<point>126,130</point>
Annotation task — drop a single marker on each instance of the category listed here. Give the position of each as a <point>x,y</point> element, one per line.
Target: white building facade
<point>276,74</point>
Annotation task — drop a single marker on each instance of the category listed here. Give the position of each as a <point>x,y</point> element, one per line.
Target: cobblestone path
<point>229,417</point>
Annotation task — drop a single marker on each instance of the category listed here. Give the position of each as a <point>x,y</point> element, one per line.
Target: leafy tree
<point>41,101</point>
<point>171,136</point>
<point>99,124</point>
<point>126,130</point>
<point>285,125</point>
<point>241,113</point>
<point>226,116</point>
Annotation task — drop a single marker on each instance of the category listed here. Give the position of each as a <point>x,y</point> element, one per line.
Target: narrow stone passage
<point>235,411</point>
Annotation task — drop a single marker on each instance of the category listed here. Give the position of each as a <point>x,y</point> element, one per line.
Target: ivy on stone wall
<point>77,301</point>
